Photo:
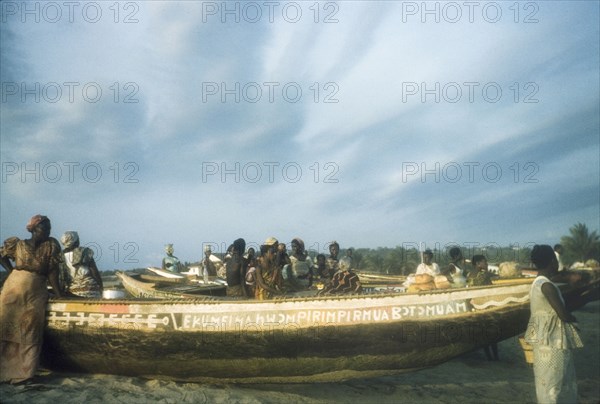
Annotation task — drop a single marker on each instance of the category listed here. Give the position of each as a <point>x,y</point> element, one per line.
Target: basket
<point>527,349</point>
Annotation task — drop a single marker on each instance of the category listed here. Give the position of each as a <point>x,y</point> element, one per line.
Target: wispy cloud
<point>337,161</point>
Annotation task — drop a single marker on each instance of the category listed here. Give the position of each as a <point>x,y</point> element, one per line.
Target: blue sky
<point>371,123</point>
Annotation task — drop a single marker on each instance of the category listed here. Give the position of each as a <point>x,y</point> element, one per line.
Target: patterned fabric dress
<point>552,341</point>
<point>343,281</point>
<point>23,308</point>
<point>271,276</point>
<point>80,281</point>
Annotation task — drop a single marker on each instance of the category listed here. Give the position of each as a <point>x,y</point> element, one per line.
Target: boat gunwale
<point>218,300</point>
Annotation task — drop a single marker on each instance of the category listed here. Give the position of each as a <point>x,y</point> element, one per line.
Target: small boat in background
<point>166,274</point>
<point>137,286</point>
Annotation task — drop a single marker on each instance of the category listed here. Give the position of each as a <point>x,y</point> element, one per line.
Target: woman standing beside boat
<point>23,299</point>
<point>551,333</point>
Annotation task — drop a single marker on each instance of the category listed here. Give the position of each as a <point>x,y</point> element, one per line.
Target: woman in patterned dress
<point>268,277</point>
<point>343,281</point>
<point>23,299</point>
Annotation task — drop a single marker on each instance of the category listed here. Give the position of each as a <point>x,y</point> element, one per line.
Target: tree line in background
<point>579,246</point>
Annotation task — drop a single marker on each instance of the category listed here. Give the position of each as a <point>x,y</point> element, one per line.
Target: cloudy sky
<point>371,123</point>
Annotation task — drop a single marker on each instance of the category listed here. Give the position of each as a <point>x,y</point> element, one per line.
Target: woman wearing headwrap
<point>171,262</point>
<point>83,278</point>
<point>23,299</point>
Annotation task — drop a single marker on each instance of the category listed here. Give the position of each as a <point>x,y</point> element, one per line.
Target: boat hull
<point>326,353</point>
<point>288,340</point>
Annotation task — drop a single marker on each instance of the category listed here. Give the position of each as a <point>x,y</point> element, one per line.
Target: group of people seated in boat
<point>275,272</point>
<point>429,275</point>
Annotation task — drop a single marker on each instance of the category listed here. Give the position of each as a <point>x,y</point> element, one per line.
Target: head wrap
<point>271,241</point>
<point>239,246</point>
<point>70,239</point>
<point>34,221</point>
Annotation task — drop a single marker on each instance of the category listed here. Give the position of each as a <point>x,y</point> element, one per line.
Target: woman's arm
<point>551,293</point>
<point>53,278</point>
<point>96,274</point>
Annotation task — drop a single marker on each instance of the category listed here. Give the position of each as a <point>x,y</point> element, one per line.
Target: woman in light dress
<point>552,333</point>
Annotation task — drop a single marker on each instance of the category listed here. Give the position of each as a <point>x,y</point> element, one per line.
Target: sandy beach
<point>468,379</point>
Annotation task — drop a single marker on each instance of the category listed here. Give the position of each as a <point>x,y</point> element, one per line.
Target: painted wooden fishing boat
<point>310,339</point>
<point>137,285</point>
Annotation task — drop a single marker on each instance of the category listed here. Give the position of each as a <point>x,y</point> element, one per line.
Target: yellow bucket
<point>527,349</point>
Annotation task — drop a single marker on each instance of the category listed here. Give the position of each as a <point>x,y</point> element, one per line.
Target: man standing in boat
<point>236,270</point>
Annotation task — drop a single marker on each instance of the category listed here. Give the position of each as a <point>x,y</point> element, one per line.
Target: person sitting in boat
<point>268,277</point>
<point>332,260</point>
<point>171,262</point>
<point>251,257</point>
<point>349,253</point>
<point>455,271</point>
<point>81,274</point>
<point>428,266</point>
<point>299,273</point>
<point>322,271</point>
<point>236,270</point>
<point>427,275</point>
<point>213,264</point>
<point>344,281</point>
<point>283,259</point>
<point>479,276</point>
